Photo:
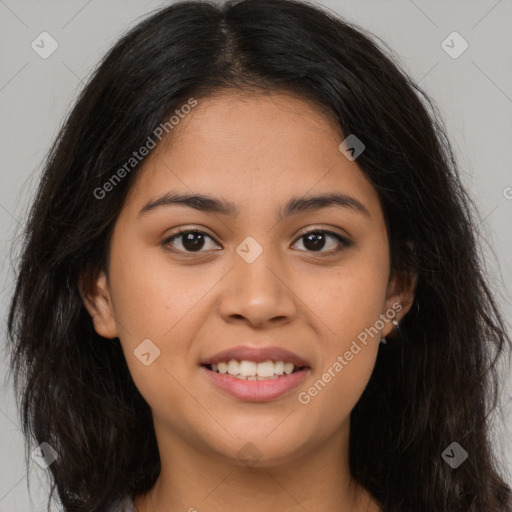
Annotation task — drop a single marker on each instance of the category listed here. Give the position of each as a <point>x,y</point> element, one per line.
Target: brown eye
<point>192,240</point>
<point>315,241</point>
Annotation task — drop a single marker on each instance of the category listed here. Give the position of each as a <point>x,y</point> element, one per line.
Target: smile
<point>255,374</point>
<point>251,370</point>
<point>279,379</point>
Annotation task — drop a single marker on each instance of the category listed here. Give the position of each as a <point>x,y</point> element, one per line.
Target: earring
<point>396,325</point>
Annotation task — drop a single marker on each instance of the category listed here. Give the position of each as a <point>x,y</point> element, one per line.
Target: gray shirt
<point>124,505</point>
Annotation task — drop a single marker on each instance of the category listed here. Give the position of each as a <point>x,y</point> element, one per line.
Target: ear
<point>96,298</point>
<point>400,296</point>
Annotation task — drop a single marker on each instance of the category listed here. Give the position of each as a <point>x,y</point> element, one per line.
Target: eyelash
<point>343,241</point>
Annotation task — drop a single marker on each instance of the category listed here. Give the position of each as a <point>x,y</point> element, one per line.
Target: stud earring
<point>396,325</point>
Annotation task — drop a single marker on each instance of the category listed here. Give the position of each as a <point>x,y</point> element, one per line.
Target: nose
<point>258,293</point>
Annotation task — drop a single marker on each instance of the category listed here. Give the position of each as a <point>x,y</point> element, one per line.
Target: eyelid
<point>181,231</point>
<point>343,240</point>
<point>324,229</point>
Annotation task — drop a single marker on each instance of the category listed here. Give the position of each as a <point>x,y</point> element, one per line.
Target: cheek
<point>349,304</point>
<point>158,301</point>
<point>152,295</point>
<point>336,389</point>
<point>350,298</point>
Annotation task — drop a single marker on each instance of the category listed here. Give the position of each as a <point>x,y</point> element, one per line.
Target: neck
<point>317,479</point>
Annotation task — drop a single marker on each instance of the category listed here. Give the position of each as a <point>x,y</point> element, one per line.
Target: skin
<point>257,151</point>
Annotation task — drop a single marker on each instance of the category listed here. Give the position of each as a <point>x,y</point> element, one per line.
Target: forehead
<point>243,121</point>
<point>252,147</point>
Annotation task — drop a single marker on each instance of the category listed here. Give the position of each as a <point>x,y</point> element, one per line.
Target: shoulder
<point>123,505</point>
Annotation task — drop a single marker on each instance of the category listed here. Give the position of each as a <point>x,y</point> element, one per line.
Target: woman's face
<point>250,286</point>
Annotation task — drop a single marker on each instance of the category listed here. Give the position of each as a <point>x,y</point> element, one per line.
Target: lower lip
<point>256,390</point>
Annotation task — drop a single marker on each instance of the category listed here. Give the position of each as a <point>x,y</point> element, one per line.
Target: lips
<point>256,374</point>
<point>258,355</point>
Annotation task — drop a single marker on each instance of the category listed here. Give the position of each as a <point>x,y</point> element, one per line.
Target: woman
<point>250,280</point>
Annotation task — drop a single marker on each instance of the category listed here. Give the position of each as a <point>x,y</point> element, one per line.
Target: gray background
<point>473,93</point>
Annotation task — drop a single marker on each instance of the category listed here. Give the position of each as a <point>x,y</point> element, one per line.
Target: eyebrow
<point>294,206</point>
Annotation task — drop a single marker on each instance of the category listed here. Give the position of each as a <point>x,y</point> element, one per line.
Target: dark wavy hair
<point>437,382</point>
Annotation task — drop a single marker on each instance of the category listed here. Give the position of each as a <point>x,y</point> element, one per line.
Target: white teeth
<point>250,370</point>
<point>256,377</point>
<point>233,367</point>
<point>288,368</point>
<point>265,369</point>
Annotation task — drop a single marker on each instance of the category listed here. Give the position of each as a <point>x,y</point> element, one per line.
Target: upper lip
<point>256,354</point>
